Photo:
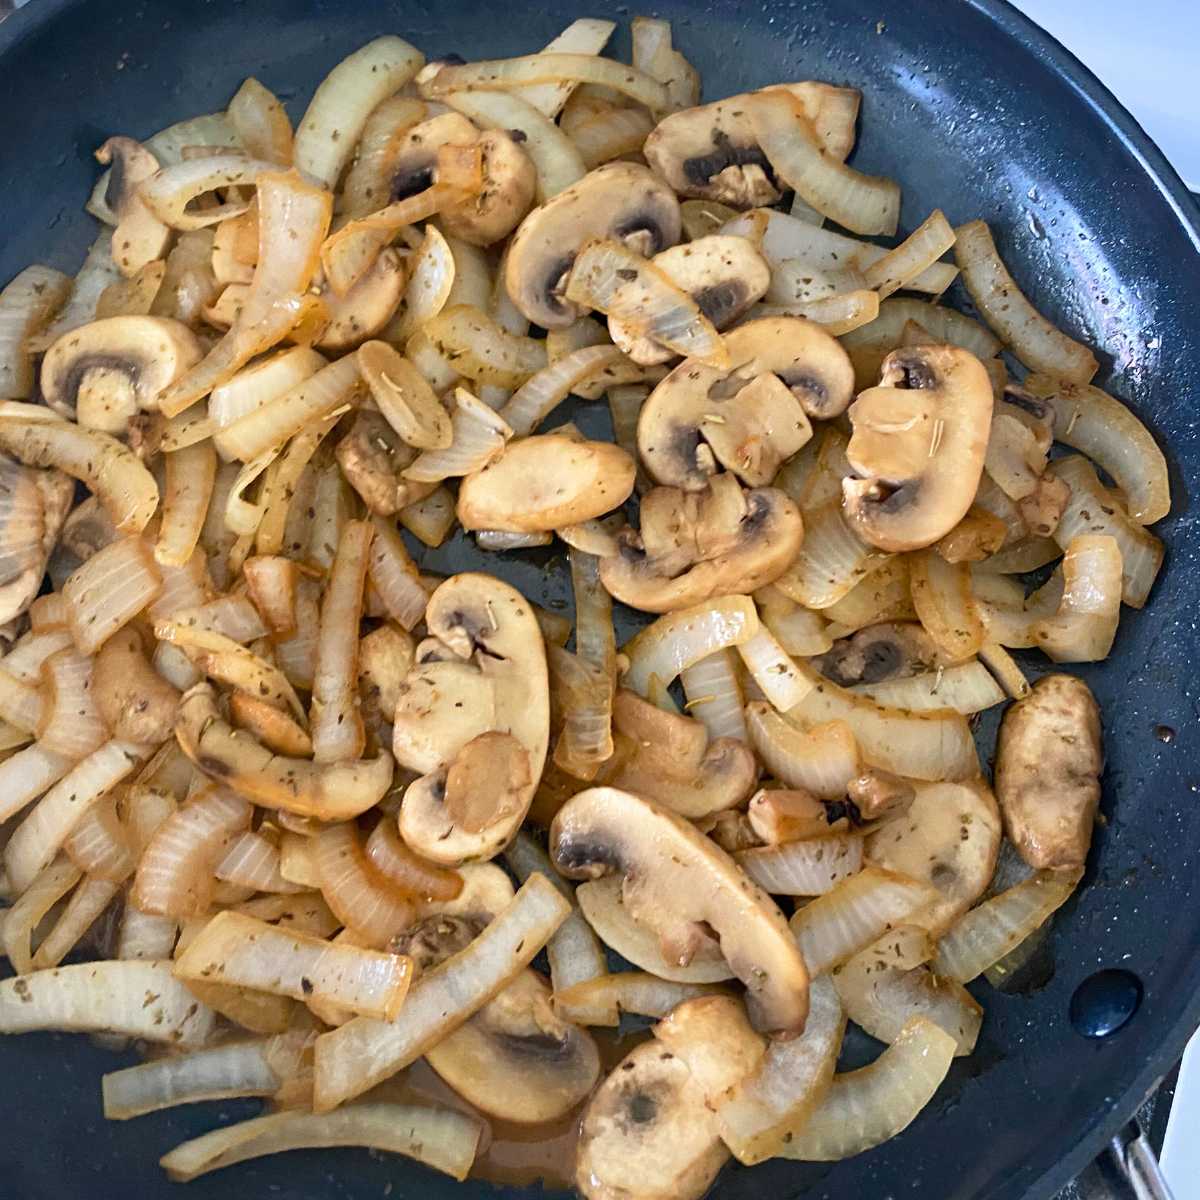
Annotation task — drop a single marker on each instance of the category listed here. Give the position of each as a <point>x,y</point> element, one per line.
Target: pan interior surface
<point>972,111</point>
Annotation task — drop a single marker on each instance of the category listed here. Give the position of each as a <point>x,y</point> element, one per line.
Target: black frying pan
<point>974,110</point>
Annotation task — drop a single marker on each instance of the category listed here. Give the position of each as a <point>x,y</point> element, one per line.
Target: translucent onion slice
<point>97,274</point>
<point>837,315</point>
<point>808,868</point>
<point>334,120</point>
<point>171,192</point>
<point>1006,669</point>
<point>259,384</point>
<point>26,306</point>
<point>601,1001</point>
<point>442,1138</point>
<point>587,35</point>
<point>395,576</point>
<point>85,907</point>
<point>832,559</point>
<point>941,595</point>
<point>190,476</point>
<point>48,611</point>
<point>681,639</point>
<point>70,723</point>
<point>582,694</point>
<point>363,899</point>
<point>714,695</point>
<point>916,254</point>
<point>231,616</point>
<point>240,950</point>
<point>1032,338</point>
<point>1085,625</point>
<point>500,540</point>
<point>175,875</point>
<point>363,1052</point>
<point>21,703</point>
<point>38,838</point>
<point>252,861</point>
<point>1092,421</point>
<point>479,435</point>
<point>402,395</point>
<point>506,73</point>
<point>860,909</point>
<point>26,775</point>
<point>542,392</point>
<point>144,936</point>
<point>822,759</point>
<point>757,1115</point>
<point>222,1073</point>
<point>261,123</point>
<point>36,900</point>
<point>271,583</point>
<point>133,999</point>
<point>481,350</point>
<point>1091,510</point>
<point>296,655</point>
<point>646,301</point>
<point>967,688</point>
<point>109,590</point>
<point>866,1107</point>
<point>884,595</point>
<point>118,478</point>
<point>555,156</point>
<point>100,845</point>
<point>406,870</point>
<point>930,746</point>
<point>773,669</point>
<point>431,275</point>
<point>860,203</point>
<point>610,133</point>
<point>24,661</point>
<point>797,629</point>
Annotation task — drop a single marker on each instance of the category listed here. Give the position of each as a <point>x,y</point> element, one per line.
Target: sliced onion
<point>170,193</point>
<point>860,909</point>
<point>1037,343</point>
<point>222,1073</point>
<point>587,35</point>
<point>85,907</point>
<point>481,350</point>
<point>610,133</point>
<point>837,315</point>
<point>46,889</point>
<point>1091,510</point>
<point>190,475</point>
<point>395,576</point>
<point>508,73</point>
<point>289,489</point>
<point>941,594</point>
<point>479,435</point>
<point>442,1138</point>
<point>714,695</point>
<point>134,999</point>
<point>582,695</point>
<point>297,654</point>
<point>602,1000</point>
<point>271,583</point>
<point>70,723</point>
<point>109,469</point>
<point>26,775</point>
<point>808,868</point>
<point>542,392</point>
<point>252,861</point>
<point>26,306</point>
<point>930,746</point>
<point>681,639</point>
<point>363,1052</point>
<point>866,1107</point>
<point>797,629</point>
<point>48,611</point>
<point>1083,628</point>
<point>145,936</point>
<point>774,670</point>
<point>406,870</point>
<point>554,155</point>
<point>109,590</point>
<point>987,933</point>
<point>298,860</point>
<point>916,254</point>
<point>261,123</point>
<point>403,397</point>
<point>304,913</point>
<point>431,274</point>
<point>25,660</point>
<point>360,895</point>
<point>755,1117</point>
<point>1006,669</point>
<point>232,616</point>
<point>21,703</point>
<point>97,274</point>
<point>41,835</point>
<point>794,281</point>
<point>1092,421</point>
<point>499,540</point>
<point>175,875</point>
<point>821,760</point>
<point>369,179</point>
<point>646,301</point>
<point>832,559</point>
<point>967,688</point>
<point>861,203</point>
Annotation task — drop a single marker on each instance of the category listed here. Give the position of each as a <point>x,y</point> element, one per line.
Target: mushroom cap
<point>509,185</point>
<point>647,1133</point>
<point>544,482</point>
<point>104,372</point>
<point>918,445</point>
<point>516,1059</point>
<point>889,650</point>
<point>723,275</point>
<point>671,868</point>
<point>415,162</point>
<point>619,200</point>
<point>712,1035</point>
<point>738,553</point>
<point>367,307</point>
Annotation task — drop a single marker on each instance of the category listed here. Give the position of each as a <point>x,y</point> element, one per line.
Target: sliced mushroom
<point>781,815</point>
<point>542,483</point>
<point>647,1133</point>
<point>878,794</point>
<point>672,869</point>
<point>367,307</point>
<point>509,186</point>
<point>723,275</point>
<point>1048,764</point>
<point>516,1059</point>
<point>135,701</point>
<point>415,164</point>
<point>33,506</point>
<point>713,1037</point>
<point>918,446</point>
<point>949,837</point>
<point>694,545</point>
<point>891,650</point>
<point>140,237</point>
<point>372,457</point>
<point>669,759</point>
<point>498,685</point>
<point>619,200</point>
<point>104,373</point>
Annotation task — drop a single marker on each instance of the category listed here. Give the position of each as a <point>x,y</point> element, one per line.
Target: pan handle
<point>1129,1169</point>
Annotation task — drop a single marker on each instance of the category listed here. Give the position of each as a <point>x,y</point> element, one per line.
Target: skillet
<point>973,109</point>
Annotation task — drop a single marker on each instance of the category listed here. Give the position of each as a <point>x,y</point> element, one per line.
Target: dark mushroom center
<point>721,302</point>
<point>642,1108</point>
<point>575,852</point>
<point>86,364</point>
<point>702,169</point>
<point>413,178</point>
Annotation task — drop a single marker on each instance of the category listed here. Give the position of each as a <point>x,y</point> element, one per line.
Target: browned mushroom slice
<point>890,650</point>
<point>372,457</point>
<point>1048,764</point>
<point>671,868</point>
<point>367,307</point>
<point>919,443</point>
<point>140,237</point>
<point>620,200</point>
<point>136,702</point>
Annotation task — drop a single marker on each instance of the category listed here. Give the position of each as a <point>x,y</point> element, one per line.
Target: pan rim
<point>1049,54</point>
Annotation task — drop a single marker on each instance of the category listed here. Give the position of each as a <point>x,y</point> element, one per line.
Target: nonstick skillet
<point>973,109</point>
